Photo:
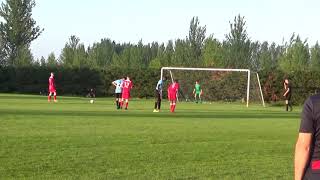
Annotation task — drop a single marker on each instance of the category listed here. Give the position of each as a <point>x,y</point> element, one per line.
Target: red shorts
<point>172,97</point>
<point>125,95</point>
<point>52,90</point>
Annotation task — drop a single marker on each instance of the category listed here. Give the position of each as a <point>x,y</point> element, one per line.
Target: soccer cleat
<point>155,110</point>
<point>126,108</point>
<point>55,101</point>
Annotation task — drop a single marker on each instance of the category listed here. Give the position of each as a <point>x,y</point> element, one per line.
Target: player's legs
<point>159,104</point>
<point>121,103</point>
<point>127,103</point>
<point>55,96</point>
<point>49,96</point>
<point>195,97</point>
<point>289,102</point>
<point>117,99</point>
<point>200,98</point>
<point>174,105</point>
<point>156,101</point>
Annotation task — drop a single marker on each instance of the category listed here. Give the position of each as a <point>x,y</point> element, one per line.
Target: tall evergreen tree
<point>296,56</point>
<point>238,44</point>
<point>18,30</point>
<point>197,35</point>
<point>51,61</point>
<point>315,57</point>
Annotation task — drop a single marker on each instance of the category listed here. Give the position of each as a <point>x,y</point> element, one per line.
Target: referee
<point>158,95</point>
<point>307,153</point>
<point>287,94</point>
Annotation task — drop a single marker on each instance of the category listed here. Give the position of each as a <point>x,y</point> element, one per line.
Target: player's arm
<point>114,83</point>
<point>302,154</point>
<point>302,149</point>
<point>194,90</point>
<point>287,91</point>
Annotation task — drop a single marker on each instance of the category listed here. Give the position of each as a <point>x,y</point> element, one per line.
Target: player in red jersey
<point>52,88</point>
<point>172,95</point>
<point>126,88</point>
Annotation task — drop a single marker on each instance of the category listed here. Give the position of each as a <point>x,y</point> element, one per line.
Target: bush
<point>77,82</point>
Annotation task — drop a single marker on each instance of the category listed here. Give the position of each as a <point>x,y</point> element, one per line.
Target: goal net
<point>217,84</point>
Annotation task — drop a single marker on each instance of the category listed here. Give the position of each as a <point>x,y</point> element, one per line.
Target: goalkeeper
<point>197,91</point>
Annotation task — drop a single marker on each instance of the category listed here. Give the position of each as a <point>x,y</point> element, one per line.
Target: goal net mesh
<point>226,86</point>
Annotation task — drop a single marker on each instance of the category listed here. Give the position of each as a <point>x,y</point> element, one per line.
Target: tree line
<point>196,50</point>
<point>107,58</point>
<point>18,29</point>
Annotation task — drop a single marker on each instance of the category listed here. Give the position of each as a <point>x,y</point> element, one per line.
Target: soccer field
<point>73,139</point>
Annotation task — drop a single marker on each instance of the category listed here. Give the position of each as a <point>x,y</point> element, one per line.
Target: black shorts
<point>288,97</point>
<point>157,95</point>
<point>118,95</point>
<point>311,174</point>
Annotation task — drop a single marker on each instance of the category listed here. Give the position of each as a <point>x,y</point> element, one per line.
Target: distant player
<point>126,88</point>
<point>158,95</point>
<point>92,95</point>
<point>197,91</point>
<point>172,95</point>
<point>52,88</point>
<point>287,94</point>
<point>118,91</point>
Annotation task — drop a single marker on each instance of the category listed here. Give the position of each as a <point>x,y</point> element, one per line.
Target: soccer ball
<point>91,101</point>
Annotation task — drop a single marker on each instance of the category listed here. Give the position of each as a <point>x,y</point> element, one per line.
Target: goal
<point>244,84</point>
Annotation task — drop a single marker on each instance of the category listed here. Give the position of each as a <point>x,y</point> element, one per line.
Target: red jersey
<point>172,91</point>
<point>52,86</point>
<point>126,86</point>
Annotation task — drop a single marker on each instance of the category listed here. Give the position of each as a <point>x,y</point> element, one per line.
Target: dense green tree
<point>51,61</point>
<point>238,45</point>
<point>213,53</point>
<point>296,57</point>
<point>24,57</point>
<point>2,53</point>
<point>101,54</point>
<point>74,54</point>
<point>197,35</point>
<point>182,54</point>
<point>43,62</point>
<point>315,57</point>
<point>17,30</point>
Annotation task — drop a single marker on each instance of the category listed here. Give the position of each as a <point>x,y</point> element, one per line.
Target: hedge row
<point>217,86</point>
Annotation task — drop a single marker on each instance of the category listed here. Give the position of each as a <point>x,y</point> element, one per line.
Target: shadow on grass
<point>134,114</point>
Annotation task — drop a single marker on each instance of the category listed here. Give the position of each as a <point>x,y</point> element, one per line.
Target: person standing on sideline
<point>307,150</point>
<point>126,88</point>
<point>52,88</point>
<point>158,95</point>
<point>287,94</point>
<point>118,91</point>
<point>197,91</point>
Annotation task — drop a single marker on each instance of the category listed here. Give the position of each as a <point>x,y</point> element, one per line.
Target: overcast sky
<point>162,20</point>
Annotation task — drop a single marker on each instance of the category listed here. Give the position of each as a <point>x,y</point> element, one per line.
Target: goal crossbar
<point>217,69</point>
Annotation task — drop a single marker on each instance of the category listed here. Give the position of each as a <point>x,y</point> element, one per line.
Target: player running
<point>158,95</point>
<point>126,88</point>
<point>52,88</point>
<point>172,95</point>
<point>118,91</point>
<point>197,91</point>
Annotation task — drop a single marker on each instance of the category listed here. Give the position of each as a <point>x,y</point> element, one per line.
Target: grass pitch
<point>74,139</point>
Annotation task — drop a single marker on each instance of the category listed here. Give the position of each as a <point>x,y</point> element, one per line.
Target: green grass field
<point>73,139</point>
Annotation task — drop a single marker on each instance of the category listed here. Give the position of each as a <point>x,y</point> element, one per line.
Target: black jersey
<point>310,123</point>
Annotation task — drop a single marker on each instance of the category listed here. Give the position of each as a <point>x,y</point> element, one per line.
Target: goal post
<point>221,70</point>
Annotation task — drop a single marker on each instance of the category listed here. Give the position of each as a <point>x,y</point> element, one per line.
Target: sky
<point>163,20</point>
